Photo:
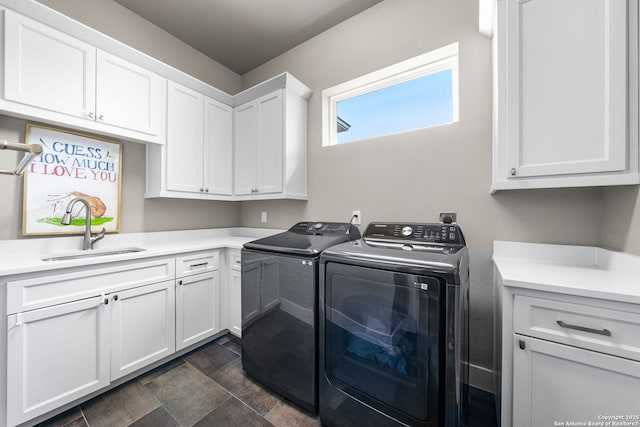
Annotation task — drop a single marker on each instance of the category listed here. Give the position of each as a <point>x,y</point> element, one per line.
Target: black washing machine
<point>280,307</point>
<point>393,327</point>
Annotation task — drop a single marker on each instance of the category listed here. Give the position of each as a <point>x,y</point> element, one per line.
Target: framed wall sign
<point>72,165</point>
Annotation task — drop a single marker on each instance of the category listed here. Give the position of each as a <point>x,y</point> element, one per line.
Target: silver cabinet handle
<point>513,171</point>
<point>202,264</point>
<point>604,332</point>
<point>101,117</point>
<point>91,116</point>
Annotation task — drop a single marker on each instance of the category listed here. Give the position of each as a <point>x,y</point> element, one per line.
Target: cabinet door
<point>566,76</point>
<point>128,96</point>
<point>185,127</point>
<point>143,327</point>
<point>56,355</point>
<point>218,146</point>
<point>555,383</point>
<point>46,68</point>
<point>197,308</point>
<point>235,303</point>
<point>270,143</point>
<point>246,125</point>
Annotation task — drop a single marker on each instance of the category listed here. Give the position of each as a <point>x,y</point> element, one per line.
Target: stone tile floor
<point>208,387</point>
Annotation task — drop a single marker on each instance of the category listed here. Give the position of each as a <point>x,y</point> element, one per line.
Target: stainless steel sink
<point>92,253</point>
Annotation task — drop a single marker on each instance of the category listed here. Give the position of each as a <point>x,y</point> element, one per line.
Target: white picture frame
<point>72,165</point>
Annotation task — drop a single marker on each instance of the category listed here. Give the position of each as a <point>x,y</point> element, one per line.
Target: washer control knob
<point>407,231</point>
<point>318,225</point>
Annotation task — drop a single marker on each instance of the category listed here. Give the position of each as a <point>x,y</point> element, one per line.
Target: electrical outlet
<point>448,217</point>
<point>356,219</point>
<point>263,217</point>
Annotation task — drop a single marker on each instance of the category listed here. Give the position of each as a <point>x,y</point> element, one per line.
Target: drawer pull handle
<point>604,332</point>
<point>202,264</point>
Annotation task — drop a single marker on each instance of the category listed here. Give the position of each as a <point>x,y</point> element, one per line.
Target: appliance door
<point>279,323</point>
<point>381,340</point>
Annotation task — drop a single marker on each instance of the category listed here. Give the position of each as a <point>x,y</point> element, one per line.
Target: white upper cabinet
<point>246,144</point>
<point>59,79</point>
<point>218,147</point>
<point>564,73</point>
<point>185,127</point>
<point>46,68</point>
<point>128,96</point>
<point>214,151</point>
<point>270,145</point>
<point>199,147</point>
<point>260,145</point>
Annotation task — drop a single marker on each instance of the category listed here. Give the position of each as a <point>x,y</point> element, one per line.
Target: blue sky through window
<point>414,104</point>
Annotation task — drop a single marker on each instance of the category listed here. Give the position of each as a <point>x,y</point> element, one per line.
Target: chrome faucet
<point>87,242</point>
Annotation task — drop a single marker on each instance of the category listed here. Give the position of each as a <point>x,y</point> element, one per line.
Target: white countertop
<point>25,255</point>
<point>574,270</point>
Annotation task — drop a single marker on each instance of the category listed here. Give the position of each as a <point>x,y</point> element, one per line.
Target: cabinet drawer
<point>234,260</point>
<point>587,326</point>
<point>196,263</point>
<point>44,291</point>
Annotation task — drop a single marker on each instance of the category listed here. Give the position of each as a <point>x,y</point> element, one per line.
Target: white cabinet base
<point>556,383</point>
<point>56,355</point>
<point>197,308</point>
<point>143,327</point>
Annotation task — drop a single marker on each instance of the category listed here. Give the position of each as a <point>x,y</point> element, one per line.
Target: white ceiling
<point>242,34</point>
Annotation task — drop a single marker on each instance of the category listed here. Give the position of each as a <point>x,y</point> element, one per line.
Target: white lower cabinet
<point>74,332</point>
<point>142,327</point>
<point>61,353</point>
<point>197,297</point>
<point>567,358</point>
<point>56,355</point>
<point>232,307</point>
<point>555,383</point>
<point>197,308</point>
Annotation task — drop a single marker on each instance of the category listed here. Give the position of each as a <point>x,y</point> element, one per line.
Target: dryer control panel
<point>415,232</point>
<point>324,228</point>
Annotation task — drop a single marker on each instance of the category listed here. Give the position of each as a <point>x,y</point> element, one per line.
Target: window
<point>414,94</point>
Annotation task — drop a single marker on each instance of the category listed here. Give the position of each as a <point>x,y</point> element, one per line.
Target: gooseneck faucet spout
<point>87,242</point>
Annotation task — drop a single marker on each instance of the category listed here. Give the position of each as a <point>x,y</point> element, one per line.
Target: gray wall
<point>138,214</point>
<point>415,175</point>
<point>621,219</point>
<point>114,20</point>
